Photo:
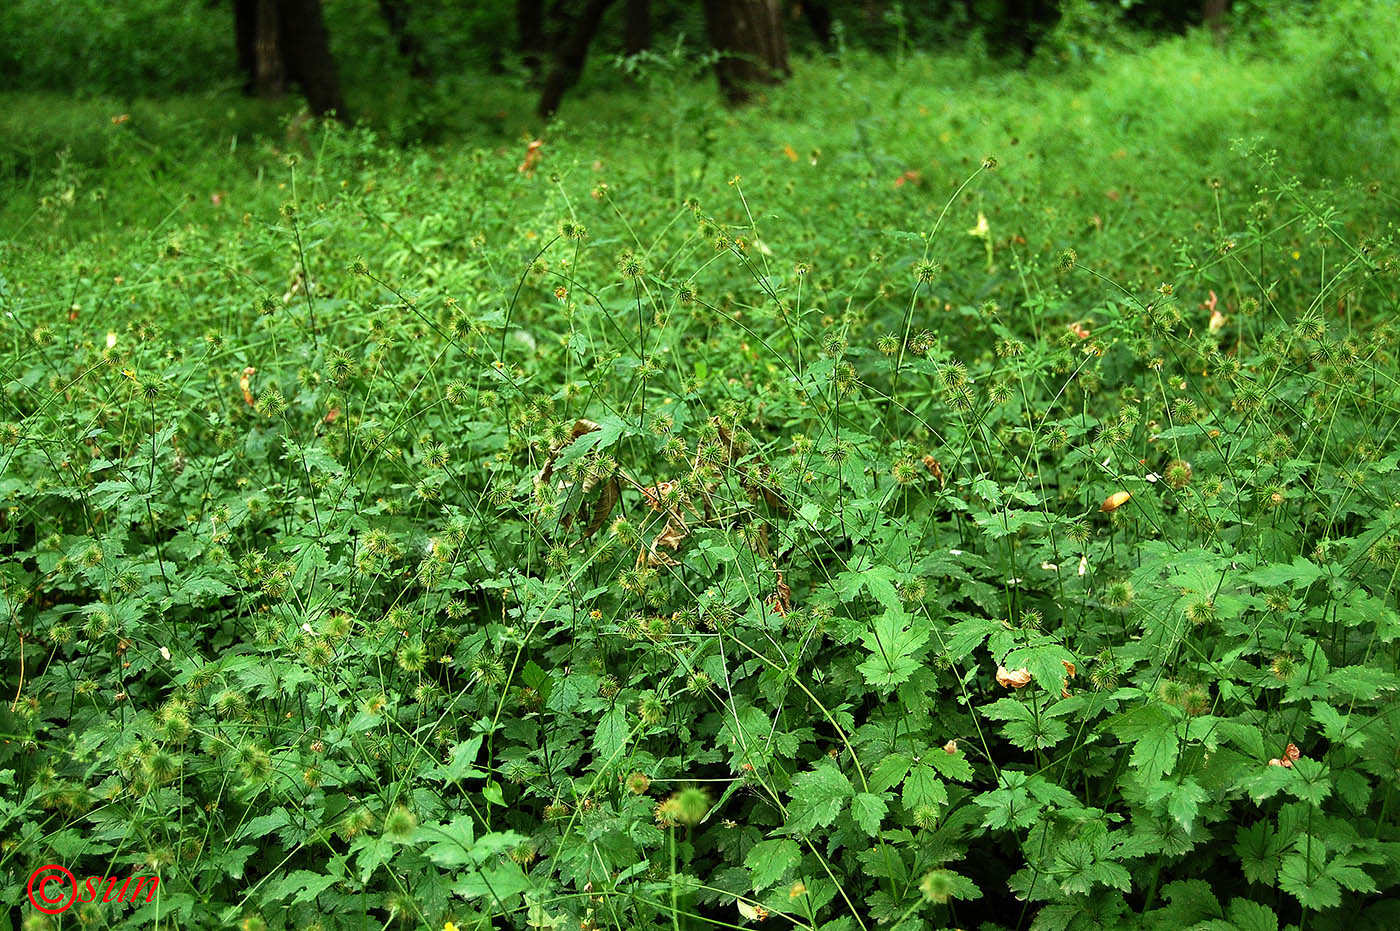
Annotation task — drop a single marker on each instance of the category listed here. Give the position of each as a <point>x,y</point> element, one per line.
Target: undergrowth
<point>724,517</point>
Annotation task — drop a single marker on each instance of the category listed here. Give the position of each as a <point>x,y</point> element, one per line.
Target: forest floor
<point>936,495</point>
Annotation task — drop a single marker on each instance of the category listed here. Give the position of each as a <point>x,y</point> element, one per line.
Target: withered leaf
<point>607,500</point>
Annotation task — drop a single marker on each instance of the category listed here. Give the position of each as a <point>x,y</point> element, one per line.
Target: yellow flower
<point>449,927</point>
<point>981,230</point>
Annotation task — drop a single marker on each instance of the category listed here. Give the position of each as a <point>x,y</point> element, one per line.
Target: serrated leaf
<point>1351,877</point>
<point>1046,661</point>
<point>890,771</point>
<point>1306,879</point>
<point>611,735</point>
<point>301,885</point>
<point>1184,801</point>
<point>965,636</point>
<point>1154,754</point>
<point>941,885</point>
<point>868,810</point>
<point>1310,781</point>
<point>1022,727</point>
<point>498,883</point>
<point>1248,915</point>
<point>1300,573</point>
<point>877,580</point>
<point>923,787</point>
<point>954,766</point>
<point>1260,851</point>
<point>1008,709</point>
<point>893,641</point>
<point>769,860</point>
<point>1265,781</point>
<point>461,762</point>
<point>449,845</point>
<point>1334,725</point>
<point>818,796</point>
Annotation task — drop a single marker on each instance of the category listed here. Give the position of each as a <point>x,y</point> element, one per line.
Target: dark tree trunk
<point>749,36</point>
<point>529,25</point>
<point>309,55</point>
<point>636,26</point>
<point>1213,14</point>
<point>245,37</point>
<point>569,56</point>
<point>819,18</point>
<point>395,13</point>
<point>269,57</point>
<point>282,41</point>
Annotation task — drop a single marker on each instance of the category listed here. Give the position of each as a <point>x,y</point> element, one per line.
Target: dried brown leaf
<point>603,507</point>
<point>1013,678</point>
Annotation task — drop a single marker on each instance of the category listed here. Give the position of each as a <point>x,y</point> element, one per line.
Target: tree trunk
<point>749,36</point>
<point>570,55</point>
<point>636,26</point>
<point>1213,14</point>
<point>245,38</point>
<point>529,25</point>
<point>819,18</point>
<point>269,66</point>
<point>281,41</point>
<point>309,55</point>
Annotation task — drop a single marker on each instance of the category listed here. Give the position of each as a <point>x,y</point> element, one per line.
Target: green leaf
<point>1010,805</point>
<point>889,772</point>
<point>868,809</point>
<point>1248,915</point>
<point>1191,901</point>
<point>877,580</point>
<point>1300,573</point>
<point>1260,850</point>
<point>461,762</point>
<point>302,885</point>
<point>498,883</point>
<point>952,766</point>
<point>1310,781</point>
<point>1265,781</point>
<point>1306,879</point>
<point>1334,726</point>
<point>611,735</point>
<point>612,430</point>
<point>1152,732</point>
<point>923,787</point>
<point>769,861</point>
<point>1184,801</point>
<point>941,885</point>
<point>818,796</point>
<point>893,641</point>
<point>1023,728</point>
<point>1008,709</point>
<point>1046,661</point>
<point>1351,877</point>
<point>450,844</point>
<point>263,825</point>
<point>965,636</point>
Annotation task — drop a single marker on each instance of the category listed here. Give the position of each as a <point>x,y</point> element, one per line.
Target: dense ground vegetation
<point>938,496</point>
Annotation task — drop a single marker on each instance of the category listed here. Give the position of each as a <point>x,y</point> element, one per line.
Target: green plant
<point>810,521</point>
